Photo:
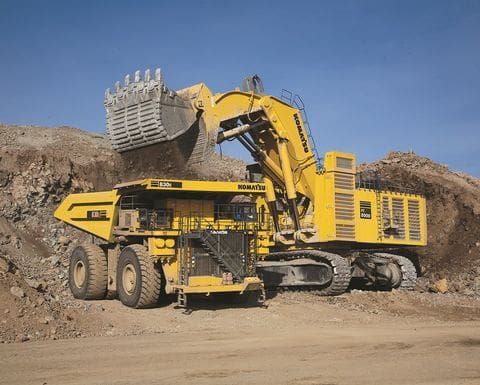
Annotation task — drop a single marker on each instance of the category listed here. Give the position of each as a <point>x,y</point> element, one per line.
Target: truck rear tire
<point>87,273</point>
<point>139,281</point>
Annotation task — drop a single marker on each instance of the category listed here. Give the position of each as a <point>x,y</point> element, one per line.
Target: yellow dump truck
<point>173,236</point>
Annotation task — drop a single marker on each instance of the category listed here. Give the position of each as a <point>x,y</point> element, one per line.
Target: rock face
<point>453,215</point>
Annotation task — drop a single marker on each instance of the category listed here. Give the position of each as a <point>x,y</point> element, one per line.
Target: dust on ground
<point>356,338</point>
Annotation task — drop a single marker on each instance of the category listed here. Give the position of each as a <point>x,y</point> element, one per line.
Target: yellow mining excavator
<point>317,224</point>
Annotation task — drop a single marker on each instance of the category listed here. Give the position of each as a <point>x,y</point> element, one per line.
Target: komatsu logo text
<point>303,138</point>
<point>251,187</point>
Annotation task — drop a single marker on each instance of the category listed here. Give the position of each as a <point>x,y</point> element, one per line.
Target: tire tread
<point>98,272</point>
<point>151,278</point>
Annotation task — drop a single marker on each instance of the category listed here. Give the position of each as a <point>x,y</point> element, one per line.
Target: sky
<point>375,76</point>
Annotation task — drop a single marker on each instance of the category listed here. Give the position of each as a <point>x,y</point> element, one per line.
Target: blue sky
<point>375,75</point>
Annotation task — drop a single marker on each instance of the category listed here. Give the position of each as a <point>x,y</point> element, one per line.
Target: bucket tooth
<point>127,80</point>
<point>117,86</point>
<point>137,76</point>
<point>148,76</point>
<point>158,75</point>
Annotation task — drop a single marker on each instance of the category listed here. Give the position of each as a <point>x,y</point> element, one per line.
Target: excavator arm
<point>273,132</point>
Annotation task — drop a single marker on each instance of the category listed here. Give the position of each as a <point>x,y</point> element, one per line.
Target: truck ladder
<point>220,252</point>
<point>378,200</point>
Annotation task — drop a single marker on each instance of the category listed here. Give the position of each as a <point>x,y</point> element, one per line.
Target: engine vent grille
<point>345,163</point>
<point>385,212</point>
<point>344,181</point>
<point>344,205</point>
<point>414,230</point>
<point>345,231</point>
<point>398,211</point>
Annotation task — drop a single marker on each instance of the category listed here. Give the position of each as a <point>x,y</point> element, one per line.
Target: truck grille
<point>231,248</point>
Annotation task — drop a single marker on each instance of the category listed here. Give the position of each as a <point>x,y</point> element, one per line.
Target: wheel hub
<point>395,275</point>
<point>129,278</point>
<point>79,274</point>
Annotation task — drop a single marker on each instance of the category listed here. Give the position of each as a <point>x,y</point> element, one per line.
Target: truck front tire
<point>138,279</point>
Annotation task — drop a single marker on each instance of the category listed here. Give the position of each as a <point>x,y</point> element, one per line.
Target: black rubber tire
<point>148,278</point>
<point>92,259</point>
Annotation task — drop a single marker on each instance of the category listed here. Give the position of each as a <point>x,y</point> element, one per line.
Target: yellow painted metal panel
<point>194,185</point>
<point>94,213</point>
<point>204,280</point>
<point>248,284</point>
<point>368,228</point>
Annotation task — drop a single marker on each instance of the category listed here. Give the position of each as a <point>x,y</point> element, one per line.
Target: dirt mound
<point>453,216</point>
<point>30,312</point>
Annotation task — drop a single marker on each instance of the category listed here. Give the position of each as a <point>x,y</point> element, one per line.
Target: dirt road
<point>357,338</point>
<point>420,353</point>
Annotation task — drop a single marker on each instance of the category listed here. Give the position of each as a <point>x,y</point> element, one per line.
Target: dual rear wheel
<point>139,279</point>
<point>88,272</point>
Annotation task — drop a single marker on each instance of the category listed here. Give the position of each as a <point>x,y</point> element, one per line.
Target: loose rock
<point>17,291</point>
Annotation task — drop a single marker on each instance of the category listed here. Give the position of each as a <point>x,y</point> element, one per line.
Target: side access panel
<point>388,217</point>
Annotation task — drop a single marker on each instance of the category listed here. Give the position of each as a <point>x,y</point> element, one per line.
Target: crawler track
<point>409,273</point>
<point>341,271</point>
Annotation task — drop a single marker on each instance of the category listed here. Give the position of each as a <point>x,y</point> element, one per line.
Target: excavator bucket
<point>144,112</point>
